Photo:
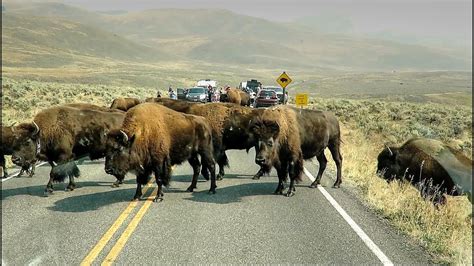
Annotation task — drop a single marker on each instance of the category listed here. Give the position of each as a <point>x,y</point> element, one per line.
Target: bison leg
<point>32,170</point>
<point>323,161</point>
<point>223,161</point>
<point>205,173</point>
<point>336,155</point>
<point>119,181</point>
<point>194,162</point>
<point>159,183</point>
<point>282,173</point>
<point>209,163</point>
<point>258,174</point>
<point>2,164</point>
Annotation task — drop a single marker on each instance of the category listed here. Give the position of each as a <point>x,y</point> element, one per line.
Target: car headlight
<point>202,96</point>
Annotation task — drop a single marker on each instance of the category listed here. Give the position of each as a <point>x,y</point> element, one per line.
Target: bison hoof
<point>256,177</point>
<point>158,199</point>
<point>336,185</point>
<point>190,189</point>
<point>314,184</point>
<point>115,184</point>
<point>212,191</point>
<point>290,194</point>
<point>220,177</point>
<point>278,192</point>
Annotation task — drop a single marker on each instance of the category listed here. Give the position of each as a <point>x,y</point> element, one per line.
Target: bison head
<point>266,136</point>
<point>26,145</point>
<point>388,165</point>
<point>118,153</point>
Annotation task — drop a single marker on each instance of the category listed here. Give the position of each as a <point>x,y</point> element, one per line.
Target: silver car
<point>197,94</point>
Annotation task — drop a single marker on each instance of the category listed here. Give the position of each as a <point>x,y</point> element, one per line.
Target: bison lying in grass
<point>152,139</point>
<point>431,166</point>
<point>62,134</point>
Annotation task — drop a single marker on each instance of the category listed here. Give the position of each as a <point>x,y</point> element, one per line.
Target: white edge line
<point>16,174</point>
<point>367,241</point>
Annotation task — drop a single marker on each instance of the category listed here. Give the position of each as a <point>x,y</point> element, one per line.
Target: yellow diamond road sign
<point>284,80</point>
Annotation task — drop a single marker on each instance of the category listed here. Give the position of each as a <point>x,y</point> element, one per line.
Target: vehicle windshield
<point>265,93</point>
<point>196,90</point>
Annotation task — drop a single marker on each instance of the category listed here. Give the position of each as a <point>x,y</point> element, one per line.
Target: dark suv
<point>265,98</point>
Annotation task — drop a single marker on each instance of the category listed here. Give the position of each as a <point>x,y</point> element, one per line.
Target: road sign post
<point>284,80</point>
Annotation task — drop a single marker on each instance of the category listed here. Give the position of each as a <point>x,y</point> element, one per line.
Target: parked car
<point>181,93</point>
<point>265,98</point>
<point>278,90</point>
<point>197,94</point>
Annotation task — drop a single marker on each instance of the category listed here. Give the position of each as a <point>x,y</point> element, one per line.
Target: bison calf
<point>152,139</point>
<point>431,166</point>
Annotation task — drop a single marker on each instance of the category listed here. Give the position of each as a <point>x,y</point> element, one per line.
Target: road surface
<point>243,223</point>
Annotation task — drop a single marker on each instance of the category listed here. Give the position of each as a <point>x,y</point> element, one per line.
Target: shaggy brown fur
<point>318,131</point>
<point>279,145</point>
<point>229,123</point>
<point>244,98</point>
<point>152,139</point>
<point>65,133</point>
<point>124,103</point>
<point>7,143</point>
<point>430,165</point>
<point>233,96</point>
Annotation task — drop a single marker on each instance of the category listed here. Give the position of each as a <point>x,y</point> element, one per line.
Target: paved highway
<point>243,223</point>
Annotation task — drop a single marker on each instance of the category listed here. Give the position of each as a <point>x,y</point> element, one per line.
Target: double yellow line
<point>114,252</point>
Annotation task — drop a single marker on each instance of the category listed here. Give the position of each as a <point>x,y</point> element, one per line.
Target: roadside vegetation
<point>367,124</point>
<point>445,231</point>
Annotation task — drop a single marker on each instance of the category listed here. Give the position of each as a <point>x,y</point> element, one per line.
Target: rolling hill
<point>219,36</point>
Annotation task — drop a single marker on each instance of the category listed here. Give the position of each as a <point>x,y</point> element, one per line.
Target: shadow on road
<point>91,202</point>
<point>232,194</point>
<point>39,190</point>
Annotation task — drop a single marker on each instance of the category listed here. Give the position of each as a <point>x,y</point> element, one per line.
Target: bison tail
<point>60,172</point>
<point>296,171</point>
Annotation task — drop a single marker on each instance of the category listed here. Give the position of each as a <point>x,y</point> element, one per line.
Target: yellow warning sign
<point>301,99</point>
<point>284,80</point>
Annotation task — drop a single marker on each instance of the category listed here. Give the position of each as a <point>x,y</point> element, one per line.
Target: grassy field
<point>444,231</point>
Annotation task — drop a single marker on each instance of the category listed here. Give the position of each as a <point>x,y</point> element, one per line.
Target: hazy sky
<point>444,18</point>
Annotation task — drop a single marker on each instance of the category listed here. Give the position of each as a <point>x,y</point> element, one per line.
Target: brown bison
<point>61,134</point>
<point>8,142</point>
<point>430,165</point>
<point>229,124</point>
<point>237,96</point>
<point>124,103</point>
<point>286,136</point>
<point>152,139</point>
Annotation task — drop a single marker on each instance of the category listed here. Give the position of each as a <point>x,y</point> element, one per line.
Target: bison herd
<point>150,137</point>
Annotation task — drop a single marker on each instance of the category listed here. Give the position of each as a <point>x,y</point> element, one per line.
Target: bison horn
<point>37,129</point>
<point>125,136</point>
<point>389,150</point>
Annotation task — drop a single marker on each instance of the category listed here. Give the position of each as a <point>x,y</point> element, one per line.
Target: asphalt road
<point>243,223</point>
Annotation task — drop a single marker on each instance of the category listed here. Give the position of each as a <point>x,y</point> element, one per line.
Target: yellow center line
<point>114,252</point>
<point>108,235</point>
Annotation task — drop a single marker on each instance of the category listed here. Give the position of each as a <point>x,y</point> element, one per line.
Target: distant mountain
<point>52,42</point>
<point>225,37</point>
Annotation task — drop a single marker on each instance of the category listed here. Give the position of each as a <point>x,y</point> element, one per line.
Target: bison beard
<point>59,173</point>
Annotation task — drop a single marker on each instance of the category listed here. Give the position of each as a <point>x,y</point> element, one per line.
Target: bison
<point>229,124</point>
<point>237,96</point>
<point>430,165</point>
<point>124,103</point>
<point>152,139</point>
<point>286,136</point>
<point>8,142</point>
<point>62,134</point>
